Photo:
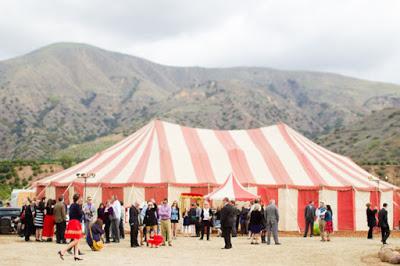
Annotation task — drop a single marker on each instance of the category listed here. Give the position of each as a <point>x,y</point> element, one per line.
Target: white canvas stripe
<point>217,154</point>
<point>180,155</point>
<point>153,172</point>
<point>289,160</point>
<point>257,165</point>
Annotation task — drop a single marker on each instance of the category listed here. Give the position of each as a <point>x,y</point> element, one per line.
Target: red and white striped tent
<point>164,160</point>
<point>233,190</point>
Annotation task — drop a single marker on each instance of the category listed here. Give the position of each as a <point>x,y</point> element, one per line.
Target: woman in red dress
<point>48,225</point>
<point>329,222</point>
<point>74,228</point>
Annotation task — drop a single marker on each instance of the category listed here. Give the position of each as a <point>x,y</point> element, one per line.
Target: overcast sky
<point>356,38</point>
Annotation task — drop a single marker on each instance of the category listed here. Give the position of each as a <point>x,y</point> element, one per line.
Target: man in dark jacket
<point>309,217</point>
<point>228,214</point>
<point>371,219</point>
<point>383,223</point>
<point>134,223</point>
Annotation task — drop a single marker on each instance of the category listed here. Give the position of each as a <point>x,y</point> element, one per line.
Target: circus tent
<point>231,189</point>
<point>164,160</point>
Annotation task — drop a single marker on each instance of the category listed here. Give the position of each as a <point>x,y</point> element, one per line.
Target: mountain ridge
<point>69,93</point>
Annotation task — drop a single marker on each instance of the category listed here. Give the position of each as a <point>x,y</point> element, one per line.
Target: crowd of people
<point>153,224</point>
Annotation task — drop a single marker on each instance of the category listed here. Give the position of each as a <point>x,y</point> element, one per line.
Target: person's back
<point>227,216</point>
<point>371,217</point>
<point>59,212</point>
<point>256,218</point>
<point>271,213</point>
<point>382,217</point>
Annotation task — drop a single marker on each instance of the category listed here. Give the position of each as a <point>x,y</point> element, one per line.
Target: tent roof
<point>231,189</point>
<point>166,153</point>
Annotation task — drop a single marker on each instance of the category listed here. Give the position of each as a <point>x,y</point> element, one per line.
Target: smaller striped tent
<point>231,189</point>
<point>163,160</point>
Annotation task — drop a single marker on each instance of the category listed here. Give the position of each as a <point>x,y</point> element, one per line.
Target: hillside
<point>373,140</point>
<point>69,93</point>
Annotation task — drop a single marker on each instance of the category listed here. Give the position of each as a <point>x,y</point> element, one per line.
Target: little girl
<point>155,240</point>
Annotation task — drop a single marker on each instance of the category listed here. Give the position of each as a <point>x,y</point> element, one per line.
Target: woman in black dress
<point>150,219</point>
<point>74,228</point>
<point>256,223</point>
<point>29,228</point>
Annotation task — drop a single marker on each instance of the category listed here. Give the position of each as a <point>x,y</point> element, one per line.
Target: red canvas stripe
<point>239,192</point>
<point>267,194</point>
<point>93,159</point>
<point>271,159</point>
<point>140,170</point>
<point>337,165</point>
<point>113,173</point>
<point>201,162</point>
<point>236,156</point>
<point>327,168</point>
<point>396,208</point>
<point>307,166</point>
<point>374,199</point>
<point>303,199</point>
<point>166,166</point>
<point>108,192</point>
<point>346,210</point>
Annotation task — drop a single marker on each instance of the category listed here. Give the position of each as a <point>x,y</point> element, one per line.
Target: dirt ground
<point>187,251</point>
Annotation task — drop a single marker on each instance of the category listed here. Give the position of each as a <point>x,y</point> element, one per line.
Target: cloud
<point>353,37</point>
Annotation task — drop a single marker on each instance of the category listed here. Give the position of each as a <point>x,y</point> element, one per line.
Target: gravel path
<point>188,251</point>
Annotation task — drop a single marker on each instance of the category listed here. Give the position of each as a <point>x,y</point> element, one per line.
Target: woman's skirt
<point>329,227</point>
<point>39,220</point>
<point>48,226</point>
<point>256,228</point>
<point>174,221</point>
<point>74,230</point>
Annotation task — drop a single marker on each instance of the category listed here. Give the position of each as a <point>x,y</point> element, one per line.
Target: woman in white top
<point>206,220</point>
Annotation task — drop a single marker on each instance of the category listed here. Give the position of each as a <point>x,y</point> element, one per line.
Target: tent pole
<point>67,187</point>
<point>44,190</point>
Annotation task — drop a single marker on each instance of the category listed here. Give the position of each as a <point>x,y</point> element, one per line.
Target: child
<point>155,240</point>
<point>186,223</point>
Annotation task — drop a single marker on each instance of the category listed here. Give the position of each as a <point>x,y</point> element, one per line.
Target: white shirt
<point>206,214</point>
<point>117,209</point>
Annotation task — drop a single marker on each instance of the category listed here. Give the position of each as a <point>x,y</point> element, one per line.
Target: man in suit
<point>271,215</point>
<point>134,223</point>
<point>227,222</point>
<point>371,219</point>
<point>309,217</point>
<point>60,220</point>
<point>383,223</point>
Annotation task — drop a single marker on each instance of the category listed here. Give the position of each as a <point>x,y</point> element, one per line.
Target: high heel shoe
<point>61,255</point>
<point>76,258</point>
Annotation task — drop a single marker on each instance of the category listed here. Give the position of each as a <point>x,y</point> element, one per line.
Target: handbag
<point>97,245</point>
